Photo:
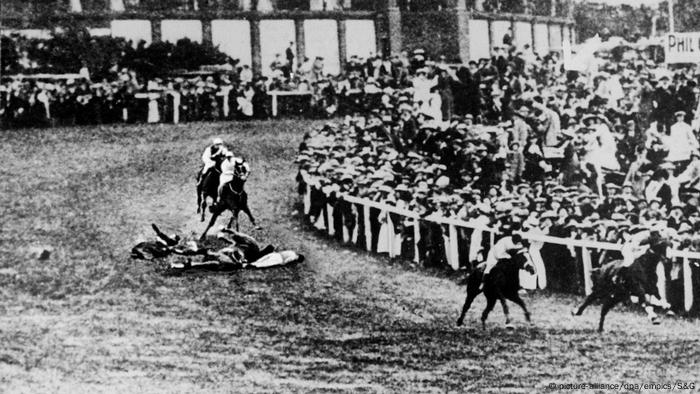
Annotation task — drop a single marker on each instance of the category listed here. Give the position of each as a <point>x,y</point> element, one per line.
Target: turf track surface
<point>90,320</point>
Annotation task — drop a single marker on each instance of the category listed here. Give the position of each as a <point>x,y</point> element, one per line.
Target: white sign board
<point>682,48</point>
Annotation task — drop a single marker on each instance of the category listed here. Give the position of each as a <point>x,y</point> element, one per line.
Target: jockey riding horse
<point>501,284</point>
<point>615,282</point>
<point>207,186</point>
<point>233,197</point>
<point>208,177</point>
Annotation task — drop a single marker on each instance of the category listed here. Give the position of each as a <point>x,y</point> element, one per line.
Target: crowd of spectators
<point>34,93</point>
<point>594,156</point>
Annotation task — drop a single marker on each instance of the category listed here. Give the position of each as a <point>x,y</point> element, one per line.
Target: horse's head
<point>522,260</point>
<point>658,250</point>
<point>241,169</point>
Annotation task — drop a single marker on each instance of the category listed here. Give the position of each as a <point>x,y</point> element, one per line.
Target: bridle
<point>238,173</point>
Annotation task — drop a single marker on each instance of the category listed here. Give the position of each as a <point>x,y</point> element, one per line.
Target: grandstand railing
<point>452,252</point>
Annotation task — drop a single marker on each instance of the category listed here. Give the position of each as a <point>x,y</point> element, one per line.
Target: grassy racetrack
<point>91,320</point>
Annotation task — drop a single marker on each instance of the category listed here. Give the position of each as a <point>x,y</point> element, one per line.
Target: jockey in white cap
<point>212,153</point>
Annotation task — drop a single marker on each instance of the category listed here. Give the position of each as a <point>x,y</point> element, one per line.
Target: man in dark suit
<point>289,53</point>
<point>663,101</point>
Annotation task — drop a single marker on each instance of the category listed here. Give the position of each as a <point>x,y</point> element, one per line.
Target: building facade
<point>255,31</point>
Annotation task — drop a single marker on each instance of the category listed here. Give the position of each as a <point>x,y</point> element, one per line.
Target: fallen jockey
<point>245,252</point>
<point>636,245</point>
<point>242,251</point>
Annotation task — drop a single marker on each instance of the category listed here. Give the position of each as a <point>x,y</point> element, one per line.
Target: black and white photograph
<point>349,196</point>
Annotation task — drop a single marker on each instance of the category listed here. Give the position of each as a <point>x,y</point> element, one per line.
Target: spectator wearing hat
<point>534,160</point>
<point>515,162</point>
<point>550,124</point>
<point>422,86</point>
<point>690,177</point>
<point>521,131</point>
<point>681,142</point>
<point>658,188</point>
<point>663,102</point>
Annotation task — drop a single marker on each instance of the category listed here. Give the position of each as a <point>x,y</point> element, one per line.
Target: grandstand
<point>254,31</point>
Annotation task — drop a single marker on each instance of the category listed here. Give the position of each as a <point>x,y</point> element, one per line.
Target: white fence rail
<point>390,243</point>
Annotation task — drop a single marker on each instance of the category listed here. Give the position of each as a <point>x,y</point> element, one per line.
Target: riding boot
<point>267,250</point>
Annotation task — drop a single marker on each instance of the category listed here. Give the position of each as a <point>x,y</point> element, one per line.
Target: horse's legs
<point>649,309</point>
<point>230,222</point>
<point>199,196</point>
<point>589,299</point>
<point>247,212</point>
<point>471,295</point>
<point>490,302</point>
<point>203,208</point>
<point>504,305</point>
<point>516,298</point>
<point>607,306</point>
<point>639,292</point>
<point>235,219</point>
<point>214,216</point>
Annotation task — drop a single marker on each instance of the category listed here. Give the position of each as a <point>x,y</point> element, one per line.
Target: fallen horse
<point>229,250</point>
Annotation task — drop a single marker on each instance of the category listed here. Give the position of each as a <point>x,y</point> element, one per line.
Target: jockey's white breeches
<point>490,263</point>
<point>208,164</point>
<point>223,179</point>
<point>630,253</point>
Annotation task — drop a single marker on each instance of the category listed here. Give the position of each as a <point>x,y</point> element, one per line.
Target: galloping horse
<point>613,283</point>
<point>207,186</point>
<point>502,283</point>
<point>233,198</point>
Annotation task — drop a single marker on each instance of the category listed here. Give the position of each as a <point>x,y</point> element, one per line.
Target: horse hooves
<point>460,323</point>
<point>573,312</point>
<point>655,321</point>
<point>510,327</point>
<point>670,313</point>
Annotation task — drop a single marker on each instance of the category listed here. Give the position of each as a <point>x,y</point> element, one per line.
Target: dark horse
<point>233,198</point>
<point>207,186</point>
<point>501,284</point>
<point>614,283</point>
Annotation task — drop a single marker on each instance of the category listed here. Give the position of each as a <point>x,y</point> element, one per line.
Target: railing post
<point>307,198</point>
<point>389,235</point>
<point>176,106</point>
<point>416,239</point>
<point>661,282</point>
<point>587,268</point>
<point>368,228</point>
<point>329,215</point>
<point>687,285</point>
<point>454,249</point>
